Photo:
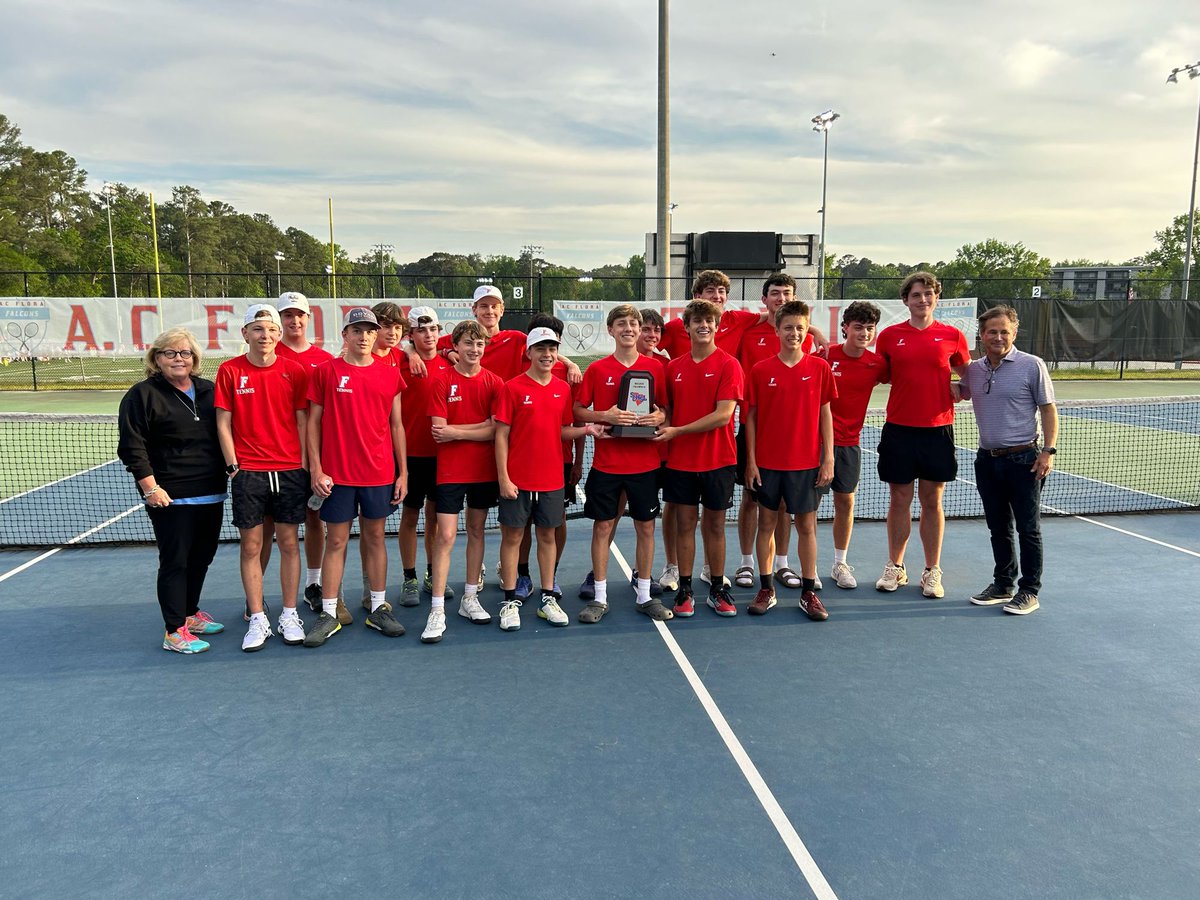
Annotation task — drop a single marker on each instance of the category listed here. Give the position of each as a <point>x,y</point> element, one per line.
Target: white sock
<point>329,606</point>
<point>839,556</point>
<point>312,576</point>
<point>781,563</point>
<point>470,590</point>
<point>602,591</point>
<point>440,602</point>
<point>643,590</point>
<point>378,598</point>
<point>260,617</point>
<point>288,612</point>
<point>748,560</point>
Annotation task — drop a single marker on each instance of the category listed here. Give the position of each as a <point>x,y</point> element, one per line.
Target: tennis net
<point>60,482</point>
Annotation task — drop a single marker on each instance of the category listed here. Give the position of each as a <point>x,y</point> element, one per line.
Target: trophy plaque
<point>636,396</point>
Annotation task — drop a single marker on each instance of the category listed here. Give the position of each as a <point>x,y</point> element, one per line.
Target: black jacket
<point>160,436</point>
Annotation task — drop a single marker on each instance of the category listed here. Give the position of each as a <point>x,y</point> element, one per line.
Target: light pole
<point>329,279</point>
<point>279,257</point>
<point>821,123</point>
<point>532,250</point>
<point>382,249</point>
<point>110,191</point>
<point>1193,72</point>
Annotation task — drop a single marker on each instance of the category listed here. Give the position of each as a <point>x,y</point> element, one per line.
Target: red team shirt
<point>536,414</point>
<point>855,378</point>
<point>694,389</point>
<point>919,363</point>
<point>730,328</point>
<point>264,401</point>
<point>465,401</point>
<point>356,435</point>
<point>761,342</point>
<point>310,358</point>
<point>505,354</point>
<point>600,389</point>
<point>418,434</point>
<point>788,401</point>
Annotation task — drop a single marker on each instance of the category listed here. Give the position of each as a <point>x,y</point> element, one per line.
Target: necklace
<point>189,406</point>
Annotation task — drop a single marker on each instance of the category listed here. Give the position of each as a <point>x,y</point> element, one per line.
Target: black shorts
<point>712,489</point>
<point>478,494</point>
<point>569,495</point>
<point>347,501</point>
<point>907,453</point>
<point>604,495</point>
<point>281,495</point>
<point>797,488</point>
<point>543,508</point>
<point>660,479</point>
<point>422,481</point>
<point>847,467</point>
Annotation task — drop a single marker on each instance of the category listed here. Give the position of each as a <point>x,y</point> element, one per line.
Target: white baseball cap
<point>487,290</point>
<point>417,313</point>
<point>541,336</point>
<point>293,300</point>
<point>262,311</point>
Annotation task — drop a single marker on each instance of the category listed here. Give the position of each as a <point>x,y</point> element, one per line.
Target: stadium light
<point>279,257</point>
<point>1193,71</point>
<point>110,190</point>
<point>533,250</point>
<point>822,122</point>
<point>382,249</point>
<point>328,279</point>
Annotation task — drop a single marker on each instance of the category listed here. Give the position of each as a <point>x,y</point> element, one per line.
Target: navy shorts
<point>347,501</point>
<point>477,494</point>
<point>281,495</point>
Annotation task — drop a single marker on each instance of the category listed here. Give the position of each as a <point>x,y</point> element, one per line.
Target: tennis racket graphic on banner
<point>20,338</point>
<point>581,336</point>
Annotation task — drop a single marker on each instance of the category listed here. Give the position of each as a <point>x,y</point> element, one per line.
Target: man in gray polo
<point>1010,390</point>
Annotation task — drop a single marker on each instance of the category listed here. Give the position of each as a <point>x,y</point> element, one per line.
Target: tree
<point>994,270</point>
<point>1165,278</point>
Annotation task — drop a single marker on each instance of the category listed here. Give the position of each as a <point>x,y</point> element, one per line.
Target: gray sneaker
<point>1022,604</point>
<point>327,626</point>
<point>384,622</point>
<point>991,595</point>
<point>427,586</point>
<point>312,596</point>
<point>412,593</point>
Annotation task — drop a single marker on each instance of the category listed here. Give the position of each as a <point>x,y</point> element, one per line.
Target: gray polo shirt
<point>1006,399</point>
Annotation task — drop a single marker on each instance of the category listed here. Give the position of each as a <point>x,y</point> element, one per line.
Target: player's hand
<point>753,476</point>
<point>452,357</point>
<point>1042,465</point>
<point>576,472</point>
<point>655,418</point>
<point>574,375</point>
<point>159,498</point>
<point>508,490</point>
<point>617,416</point>
<point>820,342</point>
<point>416,365</point>
<point>825,473</point>
<point>322,484</point>
<point>665,433</point>
<point>956,392</point>
<point>400,491</point>
<point>594,429</point>
<point>439,434</point>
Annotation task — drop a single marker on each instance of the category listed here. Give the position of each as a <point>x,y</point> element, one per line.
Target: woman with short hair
<point>168,442</point>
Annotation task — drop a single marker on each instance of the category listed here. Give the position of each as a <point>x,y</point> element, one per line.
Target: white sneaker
<point>843,575</point>
<point>669,579</point>
<point>469,607</point>
<point>931,583</point>
<point>482,572</point>
<point>291,628</point>
<point>893,576</point>
<point>435,626</point>
<point>510,616</point>
<point>706,576</point>
<point>817,583</point>
<point>552,612</point>
<point>257,634</point>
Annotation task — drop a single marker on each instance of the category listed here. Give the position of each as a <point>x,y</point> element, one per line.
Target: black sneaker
<point>312,596</point>
<point>1022,604</point>
<point>991,595</point>
<point>655,588</point>
<point>266,612</point>
<point>384,622</point>
<point>327,626</point>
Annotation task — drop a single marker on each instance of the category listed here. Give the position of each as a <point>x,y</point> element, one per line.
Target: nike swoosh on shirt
<point>709,374</point>
<point>805,377</point>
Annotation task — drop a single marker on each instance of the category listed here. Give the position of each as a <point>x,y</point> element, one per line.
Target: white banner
<point>587,335</point>
<point>52,327</point>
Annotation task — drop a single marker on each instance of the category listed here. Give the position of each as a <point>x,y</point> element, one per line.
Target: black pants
<point>1011,495</point>
<point>187,542</point>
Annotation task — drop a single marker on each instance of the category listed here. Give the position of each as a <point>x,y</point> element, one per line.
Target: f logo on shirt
<point>243,381</point>
<point>343,381</point>
<point>454,390</point>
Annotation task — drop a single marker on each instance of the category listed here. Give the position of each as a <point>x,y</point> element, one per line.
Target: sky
<point>472,126</point>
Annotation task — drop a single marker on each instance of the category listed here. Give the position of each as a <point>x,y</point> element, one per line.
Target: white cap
<point>417,313</point>
<point>261,311</point>
<point>293,300</point>
<point>541,336</point>
<point>487,290</point>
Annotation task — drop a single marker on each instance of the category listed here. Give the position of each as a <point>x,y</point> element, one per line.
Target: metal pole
<point>662,242</point>
<point>112,253</point>
<point>1187,256</point>
<point>821,248</point>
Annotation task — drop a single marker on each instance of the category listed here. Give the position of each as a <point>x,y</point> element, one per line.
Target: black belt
<point>1005,451</point>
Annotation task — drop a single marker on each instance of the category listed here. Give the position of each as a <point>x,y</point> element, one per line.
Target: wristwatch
<point>1050,450</point>
<point>231,469</point>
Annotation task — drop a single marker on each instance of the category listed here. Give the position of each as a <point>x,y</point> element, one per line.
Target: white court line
<point>75,540</point>
<point>42,487</point>
<point>808,866</point>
